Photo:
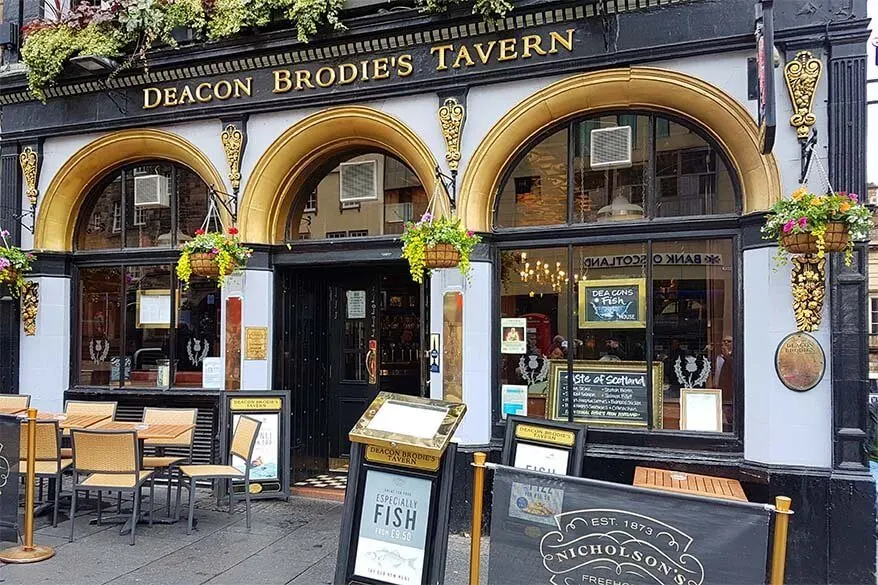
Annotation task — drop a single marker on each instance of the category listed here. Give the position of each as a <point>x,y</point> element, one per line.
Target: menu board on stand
<point>395,523</point>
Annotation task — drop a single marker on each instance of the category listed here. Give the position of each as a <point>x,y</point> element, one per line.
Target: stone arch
<point>59,209</point>
<point>282,170</point>
<point>660,90</point>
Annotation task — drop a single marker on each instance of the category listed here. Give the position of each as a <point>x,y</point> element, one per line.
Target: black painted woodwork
<point>10,204</point>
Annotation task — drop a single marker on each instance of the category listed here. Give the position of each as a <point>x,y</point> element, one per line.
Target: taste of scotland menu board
<point>609,393</point>
<point>612,304</point>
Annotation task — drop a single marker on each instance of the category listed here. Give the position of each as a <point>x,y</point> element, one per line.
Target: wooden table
<point>689,483</point>
<point>147,431</point>
<point>12,409</point>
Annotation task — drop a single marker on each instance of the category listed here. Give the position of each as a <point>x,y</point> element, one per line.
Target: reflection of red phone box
<point>373,344</point>
<point>539,328</point>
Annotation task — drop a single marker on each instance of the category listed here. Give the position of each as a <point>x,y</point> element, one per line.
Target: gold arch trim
<point>282,170</point>
<point>60,208</point>
<point>684,96</point>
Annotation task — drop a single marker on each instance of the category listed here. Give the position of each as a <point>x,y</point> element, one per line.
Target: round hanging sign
<point>800,362</point>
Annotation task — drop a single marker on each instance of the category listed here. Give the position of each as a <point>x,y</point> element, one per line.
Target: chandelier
<point>543,273</point>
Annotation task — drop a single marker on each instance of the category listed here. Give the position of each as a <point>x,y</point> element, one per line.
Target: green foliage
<point>226,251</point>
<point>805,212</point>
<point>228,17</point>
<point>428,232</point>
<point>14,264</point>
<point>489,10</point>
<point>310,15</point>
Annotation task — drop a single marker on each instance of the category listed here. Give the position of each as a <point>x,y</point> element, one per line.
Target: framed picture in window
<point>612,303</point>
<point>701,409</point>
<point>154,309</point>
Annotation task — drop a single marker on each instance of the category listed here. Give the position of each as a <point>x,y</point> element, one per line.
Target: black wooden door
<point>354,346</point>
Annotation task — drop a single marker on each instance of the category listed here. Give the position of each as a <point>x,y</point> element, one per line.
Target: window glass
<point>690,178</point>
<point>365,195</point>
<point>148,190</point>
<point>101,225</point>
<point>197,332</point>
<point>652,339</point>
<point>100,328</point>
<point>624,166</point>
<point>192,200</point>
<point>536,191</point>
<point>148,322</point>
<point>609,194</point>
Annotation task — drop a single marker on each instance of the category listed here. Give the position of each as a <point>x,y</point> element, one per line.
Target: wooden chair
<point>166,465</point>
<point>86,407</point>
<point>243,441</point>
<point>48,461</point>
<point>110,460</point>
<point>14,401</point>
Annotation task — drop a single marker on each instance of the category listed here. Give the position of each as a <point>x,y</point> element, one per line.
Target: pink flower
<point>854,197</point>
<point>4,234</point>
<point>470,233</point>
<point>427,217</point>
<point>215,251</point>
<point>788,226</point>
<point>4,263</point>
<point>803,222</point>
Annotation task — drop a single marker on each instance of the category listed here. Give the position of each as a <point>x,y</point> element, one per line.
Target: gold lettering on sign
<point>444,57</point>
<point>546,435</point>
<point>401,457</point>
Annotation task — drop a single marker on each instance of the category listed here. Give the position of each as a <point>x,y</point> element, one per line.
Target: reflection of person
<point>559,348</point>
<point>613,352</point>
<point>723,369</point>
<point>512,334</point>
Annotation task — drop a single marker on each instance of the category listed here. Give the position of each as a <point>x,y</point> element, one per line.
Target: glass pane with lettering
<point>357,195</point>
<point>535,193</point>
<point>100,326</point>
<point>693,329</point>
<point>198,330</point>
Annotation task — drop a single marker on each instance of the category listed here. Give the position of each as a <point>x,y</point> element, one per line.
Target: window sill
<point>95,390</point>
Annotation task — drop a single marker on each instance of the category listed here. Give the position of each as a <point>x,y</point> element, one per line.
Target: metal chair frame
<point>175,466</point>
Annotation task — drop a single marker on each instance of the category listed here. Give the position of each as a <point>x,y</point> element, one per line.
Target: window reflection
<point>100,326</point>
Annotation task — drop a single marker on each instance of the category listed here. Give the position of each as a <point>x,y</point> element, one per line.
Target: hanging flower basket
<point>835,239</point>
<point>203,264</point>
<point>214,255</point>
<point>14,264</point>
<point>815,224</point>
<point>441,256</point>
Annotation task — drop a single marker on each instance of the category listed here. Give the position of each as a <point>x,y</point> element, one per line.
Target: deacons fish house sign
<point>436,61</point>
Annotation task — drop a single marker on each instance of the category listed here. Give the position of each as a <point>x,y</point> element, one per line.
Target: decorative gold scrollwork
<point>451,115</point>
<point>28,161</point>
<point>233,142</point>
<point>809,291</point>
<point>802,75</point>
<point>30,305</point>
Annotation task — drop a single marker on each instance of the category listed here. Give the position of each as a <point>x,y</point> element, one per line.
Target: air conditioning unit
<point>152,191</point>
<point>358,181</point>
<point>611,148</point>
<point>398,212</point>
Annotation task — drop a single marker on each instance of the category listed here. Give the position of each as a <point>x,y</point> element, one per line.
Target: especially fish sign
<point>612,304</point>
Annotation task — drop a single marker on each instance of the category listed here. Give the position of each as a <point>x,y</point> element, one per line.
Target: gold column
<point>781,528</point>
<point>478,494</point>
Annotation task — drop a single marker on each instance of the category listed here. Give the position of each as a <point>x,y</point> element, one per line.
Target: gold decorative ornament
<point>809,291</point>
<point>451,116</point>
<point>28,160</point>
<point>233,142</point>
<point>802,75</point>
<point>30,304</point>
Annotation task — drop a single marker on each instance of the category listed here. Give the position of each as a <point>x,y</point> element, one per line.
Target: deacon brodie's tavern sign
<point>448,58</point>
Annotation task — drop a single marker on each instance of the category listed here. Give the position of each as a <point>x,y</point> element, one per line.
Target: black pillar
<point>10,207</point>
<point>851,511</point>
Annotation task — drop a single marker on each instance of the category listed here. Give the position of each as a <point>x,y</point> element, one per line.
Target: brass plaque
<point>237,404</point>
<point>255,343</point>
<point>545,435</point>
<point>800,362</point>
<point>401,458</point>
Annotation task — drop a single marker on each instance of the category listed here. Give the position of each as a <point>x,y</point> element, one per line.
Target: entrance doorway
<point>345,334</point>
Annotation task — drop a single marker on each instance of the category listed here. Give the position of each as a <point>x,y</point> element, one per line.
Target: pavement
<point>289,543</point>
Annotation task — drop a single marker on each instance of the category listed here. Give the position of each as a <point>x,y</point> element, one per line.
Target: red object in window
<point>539,327</point>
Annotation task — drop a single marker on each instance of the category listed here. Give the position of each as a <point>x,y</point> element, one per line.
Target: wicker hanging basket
<point>441,256</point>
<point>9,276</point>
<point>836,238</point>
<point>203,264</point>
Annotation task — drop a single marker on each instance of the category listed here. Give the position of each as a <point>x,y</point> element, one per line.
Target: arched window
<point>357,194</point>
<point>655,307</point>
<point>643,166</point>
<point>137,327</point>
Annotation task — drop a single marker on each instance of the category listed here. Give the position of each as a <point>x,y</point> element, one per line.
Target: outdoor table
<point>12,409</point>
<point>144,431</point>
<point>689,483</point>
<point>74,421</point>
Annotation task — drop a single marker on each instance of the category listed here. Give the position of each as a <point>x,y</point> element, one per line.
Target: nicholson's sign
<point>599,533</point>
<point>435,61</point>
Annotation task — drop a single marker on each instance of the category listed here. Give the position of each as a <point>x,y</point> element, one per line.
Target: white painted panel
<point>258,303</point>
<point>44,367</point>
<point>782,427</point>
<point>477,358</point>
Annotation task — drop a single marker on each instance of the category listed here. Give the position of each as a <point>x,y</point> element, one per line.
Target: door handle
<point>372,361</point>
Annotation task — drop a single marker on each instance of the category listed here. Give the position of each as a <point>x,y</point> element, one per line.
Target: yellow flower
<point>844,206</point>
<point>799,193</point>
<point>817,201</point>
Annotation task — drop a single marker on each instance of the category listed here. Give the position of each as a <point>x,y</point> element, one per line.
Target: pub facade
<point>614,148</point>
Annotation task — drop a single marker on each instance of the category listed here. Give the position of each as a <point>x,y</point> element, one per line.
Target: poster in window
<point>393,528</point>
<point>264,464</point>
<point>701,410</point>
<point>153,309</point>
<point>612,304</point>
<point>513,399</point>
<point>356,305</point>
<point>513,339</point>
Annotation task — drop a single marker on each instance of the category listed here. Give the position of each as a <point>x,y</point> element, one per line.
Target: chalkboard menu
<point>10,429</point>
<point>612,304</point>
<point>610,393</point>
